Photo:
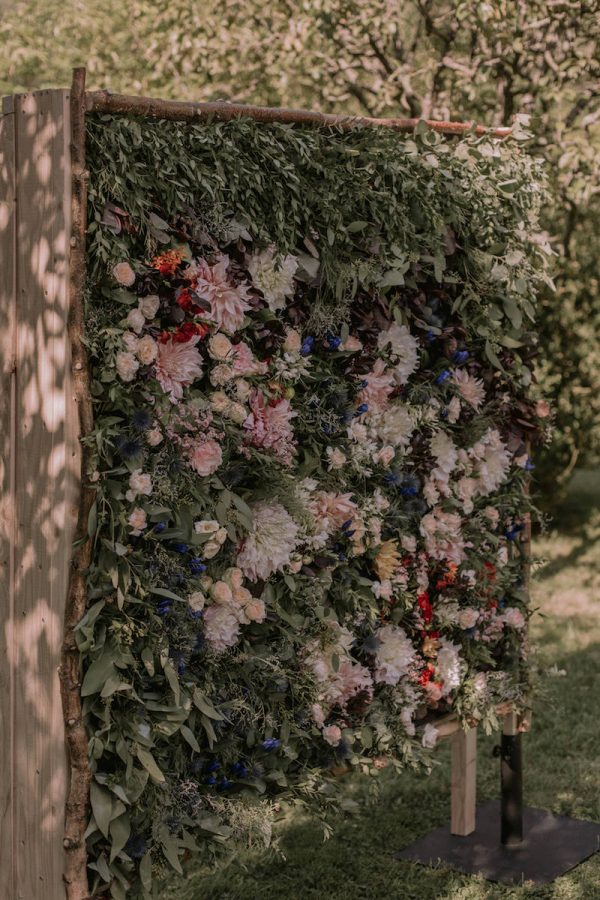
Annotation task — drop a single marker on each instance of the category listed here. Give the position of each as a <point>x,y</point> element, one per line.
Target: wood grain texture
<point>45,457</point>
<point>464,782</point>
<point>8,302</point>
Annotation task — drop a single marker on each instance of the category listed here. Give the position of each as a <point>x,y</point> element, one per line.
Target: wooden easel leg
<point>511,773</point>
<point>464,787</point>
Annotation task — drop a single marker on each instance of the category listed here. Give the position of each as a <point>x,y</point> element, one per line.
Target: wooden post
<point>464,785</point>
<point>39,485</point>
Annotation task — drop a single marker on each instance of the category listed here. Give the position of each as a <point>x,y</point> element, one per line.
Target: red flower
<point>425,606</point>
<point>187,331</point>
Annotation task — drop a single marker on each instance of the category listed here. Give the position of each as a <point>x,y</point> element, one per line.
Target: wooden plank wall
<point>38,488</point>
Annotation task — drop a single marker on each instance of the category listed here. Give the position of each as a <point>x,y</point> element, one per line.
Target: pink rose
<point>206,457</point>
<point>124,274</point>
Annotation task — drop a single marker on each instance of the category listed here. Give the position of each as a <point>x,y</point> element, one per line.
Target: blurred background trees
<point>486,61</point>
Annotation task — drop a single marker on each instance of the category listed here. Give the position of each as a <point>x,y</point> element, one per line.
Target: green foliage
<point>430,58</point>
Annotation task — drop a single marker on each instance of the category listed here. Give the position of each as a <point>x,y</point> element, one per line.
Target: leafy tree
<point>470,59</point>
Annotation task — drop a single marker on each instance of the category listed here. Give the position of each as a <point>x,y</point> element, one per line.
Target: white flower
<point>430,736</point>
<point>454,408</point>
<point>395,654</point>
<point>274,277</point>
<point>139,483</point>
<point>178,365</point>
<point>335,458</point>
<point>127,365</point>
<point>449,666</point>
<point>137,520</point>
<point>404,349</point>
<point>131,341</point>
<point>471,389</point>
<point>270,544</point>
<point>146,350</point>
<point>149,305</point>
<point>293,341</point>
<point>443,536</point>
<point>219,346</point>
<point>468,617</point>
<point>394,426</point>
<point>136,320</point>
<point>206,526</point>
<point>221,627</point>
<point>513,617</point>
<point>444,451</point>
<point>124,274</point>
<point>196,601</point>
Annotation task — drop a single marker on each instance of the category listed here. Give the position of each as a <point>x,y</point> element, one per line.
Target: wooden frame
<point>45,411</point>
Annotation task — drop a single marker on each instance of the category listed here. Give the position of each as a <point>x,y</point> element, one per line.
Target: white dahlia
<point>273,276</point>
<point>394,426</point>
<point>395,654</point>
<point>228,301</point>
<point>403,348</point>
<point>270,544</point>
<point>449,665</point>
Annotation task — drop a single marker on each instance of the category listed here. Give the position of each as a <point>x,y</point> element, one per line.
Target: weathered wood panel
<point>44,495</point>
<point>7,473</point>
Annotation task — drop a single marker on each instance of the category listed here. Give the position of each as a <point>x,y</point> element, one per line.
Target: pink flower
<point>124,274</point>
<point>244,362</point>
<point>221,627</point>
<point>178,364</point>
<point>228,302</point>
<point>333,509</point>
<point>380,385</point>
<point>205,457</point>
<point>268,427</point>
<point>332,734</point>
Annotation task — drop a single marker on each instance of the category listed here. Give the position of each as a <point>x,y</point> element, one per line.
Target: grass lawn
<point>562,763</point>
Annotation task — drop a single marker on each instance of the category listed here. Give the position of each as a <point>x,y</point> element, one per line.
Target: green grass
<point>562,763</point>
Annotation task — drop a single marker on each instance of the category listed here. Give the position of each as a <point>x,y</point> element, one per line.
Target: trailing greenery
<point>325,335</point>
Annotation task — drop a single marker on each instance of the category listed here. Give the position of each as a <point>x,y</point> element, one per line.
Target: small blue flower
<point>460,356</point>
<point>239,769</point>
<point>333,341</point>
<point>160,527</point>
<point>393,478</point>
<point>179,547</point>
<point>529,466</point>
<point>346,525</point>
<point>136,846</point>
<point>409,491</point>
<point>430,337</point>
<point>213,766</point>
<point>163,607</point>
<point>271,744</point>
<point>307,345</point>
<point>342,557</point>
<point>210,779</point>
<point>363,408</point>
<point>224,784</point>
<point>196,565</point>
<point>443,376</point>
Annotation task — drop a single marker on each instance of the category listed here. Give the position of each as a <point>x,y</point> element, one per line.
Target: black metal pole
<point>511,778</point>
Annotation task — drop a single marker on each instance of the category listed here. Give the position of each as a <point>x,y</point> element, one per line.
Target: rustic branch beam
<point>122,104</point>
<point>76,813</point>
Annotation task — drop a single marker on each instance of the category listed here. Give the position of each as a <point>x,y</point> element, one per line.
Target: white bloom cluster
<point>395,654</point>
<point>449,665</point>
<point>402,348</point>
<point>274,277</point>
<point>269,546</point>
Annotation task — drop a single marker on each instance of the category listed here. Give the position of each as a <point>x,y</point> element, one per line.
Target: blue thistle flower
<point>136,846</point>
<point>164,606</point>
<point>196,565</point>
<point>430,337</point>
<point>363,408</point>
<point>224,784</point>
<point>141,420</point>
<point>210,779</point>
<point>443,376</point>
<point>307,345</point>
<point>239,769</point>
<point>179,547</point>
<point>160,527</point>
<point>271,744</point>
<point>213,766</point>
<point>333,341</point>
<point>127,447</point>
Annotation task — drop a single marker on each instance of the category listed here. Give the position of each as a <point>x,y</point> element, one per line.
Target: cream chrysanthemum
<point>470,388</point>
<point>403,348</point>
<point>269,546</point>
<point>273,276</point>
<point>395,654</point>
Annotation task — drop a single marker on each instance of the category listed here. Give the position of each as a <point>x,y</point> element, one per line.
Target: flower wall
<point>312,386</point>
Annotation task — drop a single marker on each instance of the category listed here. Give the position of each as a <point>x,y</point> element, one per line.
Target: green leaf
<point>189,736</point>
<point>205,706</point>
<point>98,674</point>
<point>169,848</point>
<point>102,806</point>
<point>149,763</point>
<point>120,829</point>
<point>145,871</point>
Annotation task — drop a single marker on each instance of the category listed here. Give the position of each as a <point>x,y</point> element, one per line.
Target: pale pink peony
<point>221,627</point>
<point>332,509</point>
<point>177,366</point>
<point>124,274</point>
<point>244,362</point>
<point>205,457</point>
<point>228,302</point>
<point>332,734</point>
<point>380,384</point>
<point>268,427</point>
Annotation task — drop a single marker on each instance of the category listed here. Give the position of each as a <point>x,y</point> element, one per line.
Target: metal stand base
<point>552,845</point>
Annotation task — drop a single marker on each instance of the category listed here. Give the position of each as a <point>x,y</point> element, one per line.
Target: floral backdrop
<point>313,406</point>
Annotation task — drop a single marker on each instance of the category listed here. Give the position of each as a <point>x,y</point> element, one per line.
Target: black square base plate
<point>551,846</point>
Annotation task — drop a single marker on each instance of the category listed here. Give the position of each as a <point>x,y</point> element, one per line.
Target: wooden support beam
<point>39,482</point>
<point>464,784</point>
